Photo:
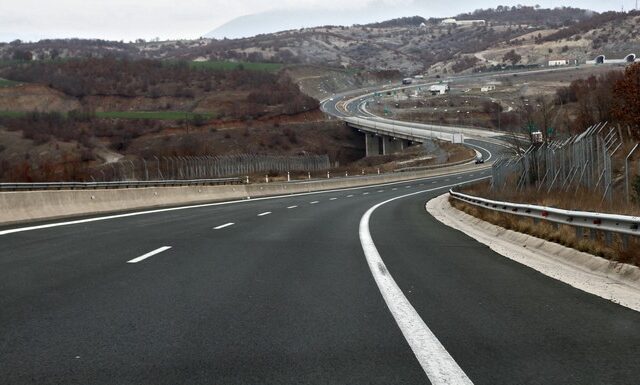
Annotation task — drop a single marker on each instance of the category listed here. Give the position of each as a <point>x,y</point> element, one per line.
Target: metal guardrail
<point>622,224</point>
<point>113,185</point>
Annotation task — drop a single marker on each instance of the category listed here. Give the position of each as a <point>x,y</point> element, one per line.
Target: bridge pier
<point>393,145</point>
<point>372,144</point>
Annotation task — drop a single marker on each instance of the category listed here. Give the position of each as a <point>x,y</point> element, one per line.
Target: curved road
<point>357,286</point>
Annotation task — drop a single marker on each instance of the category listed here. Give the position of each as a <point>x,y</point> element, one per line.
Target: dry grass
<point>581,200</point>
<point>562,234</point>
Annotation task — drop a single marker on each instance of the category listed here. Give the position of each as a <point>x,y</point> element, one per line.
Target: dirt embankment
<point>35,97</point>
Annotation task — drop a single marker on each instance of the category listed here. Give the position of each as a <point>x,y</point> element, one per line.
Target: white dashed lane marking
<point>265,213</point>
<point>223,226</point>
<point>292,207</point>
<point>314,202</point>
<point>149,254</point>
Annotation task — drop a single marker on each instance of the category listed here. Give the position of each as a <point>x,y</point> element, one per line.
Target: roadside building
<point>439,89</point>
<point>451,21</point>
<point>558,62</point>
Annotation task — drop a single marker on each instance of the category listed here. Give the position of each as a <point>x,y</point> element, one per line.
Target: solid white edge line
<point>265,213</point>
<point>149,254</point>
<point>436,362</point>
<point>178,208</point>
<point>224,226</point>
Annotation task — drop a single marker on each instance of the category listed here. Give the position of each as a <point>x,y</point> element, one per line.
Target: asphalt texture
<point>288,298</point>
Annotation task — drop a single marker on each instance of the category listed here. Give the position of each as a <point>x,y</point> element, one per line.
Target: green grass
<point>11,114</point>
<point>228,66</point>
<point>153,115</point>
<point>7,83</point>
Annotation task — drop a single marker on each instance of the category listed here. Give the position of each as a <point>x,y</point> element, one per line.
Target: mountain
<point>289,19</point>
<point>410,45</point>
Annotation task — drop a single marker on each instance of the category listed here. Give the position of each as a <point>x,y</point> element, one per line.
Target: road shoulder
<point>616,282</point>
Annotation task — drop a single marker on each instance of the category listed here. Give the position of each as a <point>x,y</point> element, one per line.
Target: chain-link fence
<point>588,161</point>
<point>202,167</point>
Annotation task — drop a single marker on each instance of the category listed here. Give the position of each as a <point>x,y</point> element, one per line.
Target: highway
<point>353,286</point>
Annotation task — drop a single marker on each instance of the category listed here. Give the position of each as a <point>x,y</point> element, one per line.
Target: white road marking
<point>436,362</point>
<point>380,191</point>
<point>365,193</point>
<point>394,189</point>
<point>265,213</point>
<point>223,226</point>
<point>408,187</point>
<point>447,180</point>
<point>314,202</point>
<point>350,196</point>
<point>459,177</point>
<point>333,199</point>
<point>434,182</point>
<point>292,207</point>
<point>472,175</point>
<point>189,207</point>
<point>150,254</point>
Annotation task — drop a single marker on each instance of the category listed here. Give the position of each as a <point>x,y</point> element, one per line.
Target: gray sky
<point>127,20</point>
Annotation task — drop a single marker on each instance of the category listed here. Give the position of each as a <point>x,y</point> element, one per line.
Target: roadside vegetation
<point>615,250</point>
<point>612,96</point>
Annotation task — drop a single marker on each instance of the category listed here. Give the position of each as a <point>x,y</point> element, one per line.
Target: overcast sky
<point>127,20</point>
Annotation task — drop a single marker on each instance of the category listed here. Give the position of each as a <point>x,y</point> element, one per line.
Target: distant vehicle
<point>407,81</point>
<point>418,77</point>
<point>536,137</point>
<point>479,159</point>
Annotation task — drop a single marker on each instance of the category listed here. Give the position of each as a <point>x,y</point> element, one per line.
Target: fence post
<point>626,172</point>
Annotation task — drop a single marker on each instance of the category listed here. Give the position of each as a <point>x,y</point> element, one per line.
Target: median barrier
<point>29,206</point>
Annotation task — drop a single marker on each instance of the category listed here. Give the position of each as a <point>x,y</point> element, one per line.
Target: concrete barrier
<point>28,206</point>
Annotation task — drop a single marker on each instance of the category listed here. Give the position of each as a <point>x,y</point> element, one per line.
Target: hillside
<point>410,45</point>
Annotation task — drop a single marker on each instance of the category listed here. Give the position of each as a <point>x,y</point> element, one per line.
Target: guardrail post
<point>288,176</point>
<point>579,233</point>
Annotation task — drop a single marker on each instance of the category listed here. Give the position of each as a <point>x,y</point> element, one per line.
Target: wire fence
<point>590,161</point>
<point>203,167</point>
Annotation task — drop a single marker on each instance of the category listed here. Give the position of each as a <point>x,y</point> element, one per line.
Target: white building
<point>463,22</point>
<point>487,88</point>
<point>558,62</point>
<point>439,89</point>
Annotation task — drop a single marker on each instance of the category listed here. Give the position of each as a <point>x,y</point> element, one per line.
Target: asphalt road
<point>281,291</point>
<point>284,295</point>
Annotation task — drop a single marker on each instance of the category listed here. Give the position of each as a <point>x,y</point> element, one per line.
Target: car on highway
<point>479,159</point>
